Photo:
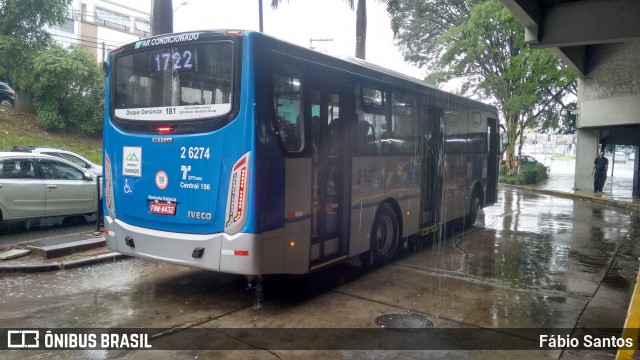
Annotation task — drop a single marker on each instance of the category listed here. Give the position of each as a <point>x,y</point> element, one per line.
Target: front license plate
<point>162,208</point>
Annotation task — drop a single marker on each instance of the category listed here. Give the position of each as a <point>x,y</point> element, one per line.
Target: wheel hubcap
<point>384,234</point>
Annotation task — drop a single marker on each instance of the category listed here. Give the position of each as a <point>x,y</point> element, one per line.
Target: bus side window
<point>365,137</point>
<point>287,102</point>
<point>370,111</point>
<point>403,136</point>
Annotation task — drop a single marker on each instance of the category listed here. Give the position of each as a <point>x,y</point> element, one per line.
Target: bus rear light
<point>108,187</point>
<point>243,176</point>
<point>240,163</point>
<point>164,129</point>
<point>233,32</point>
<point>237,196</point>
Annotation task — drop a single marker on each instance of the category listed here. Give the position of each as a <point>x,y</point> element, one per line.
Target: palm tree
<point>361,21</point>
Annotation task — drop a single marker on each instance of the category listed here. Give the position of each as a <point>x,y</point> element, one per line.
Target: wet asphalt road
<point>531,261</point>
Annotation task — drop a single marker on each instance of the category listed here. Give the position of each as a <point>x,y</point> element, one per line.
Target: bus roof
<point>359,66</point>
<point>373,71</point>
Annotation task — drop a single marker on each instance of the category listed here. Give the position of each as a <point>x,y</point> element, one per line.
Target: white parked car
<point>36,185</point>
<point>620,157</point>
<point>65,154</point>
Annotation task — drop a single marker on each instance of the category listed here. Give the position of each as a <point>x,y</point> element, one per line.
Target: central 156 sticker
<point>187,175</point>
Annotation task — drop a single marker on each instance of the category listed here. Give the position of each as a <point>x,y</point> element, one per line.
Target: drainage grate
<point>403,321</point>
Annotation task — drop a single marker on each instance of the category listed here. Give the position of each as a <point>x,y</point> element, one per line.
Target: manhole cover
<point>403,321</point>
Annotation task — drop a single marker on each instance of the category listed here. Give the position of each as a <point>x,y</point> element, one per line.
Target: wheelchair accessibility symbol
<point>127,188</point>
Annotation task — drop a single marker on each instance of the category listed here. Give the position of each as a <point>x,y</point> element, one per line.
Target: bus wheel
<point>384,235</point>
<point>470,219</point>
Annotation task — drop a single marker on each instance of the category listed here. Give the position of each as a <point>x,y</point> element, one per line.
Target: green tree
<point>361,21</point>
<point>481,42</point>
<point>23,34</point>
<point>68,91</point>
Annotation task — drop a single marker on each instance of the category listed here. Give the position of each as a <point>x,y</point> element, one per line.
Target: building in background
<point>102,25</point>
<point>600,42</point>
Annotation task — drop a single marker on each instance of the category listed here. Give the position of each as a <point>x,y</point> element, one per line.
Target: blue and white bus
<point>236,152</point>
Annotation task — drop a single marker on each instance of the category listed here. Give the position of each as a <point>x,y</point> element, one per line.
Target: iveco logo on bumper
<point>162,140</point>
<point>199,215</point>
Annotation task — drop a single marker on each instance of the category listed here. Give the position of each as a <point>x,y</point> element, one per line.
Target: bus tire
<point>472,216</point>
<point>384,235</point>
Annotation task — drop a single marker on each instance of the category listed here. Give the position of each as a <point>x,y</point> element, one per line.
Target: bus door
<point>329,161</point>
<point>432,167</point>
<point>492,161</point>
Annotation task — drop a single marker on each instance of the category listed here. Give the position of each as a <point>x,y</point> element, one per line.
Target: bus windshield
<point>173,83</point>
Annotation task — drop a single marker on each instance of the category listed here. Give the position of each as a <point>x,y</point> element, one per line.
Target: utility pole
<point>260,14</point>
<point>161,17</point>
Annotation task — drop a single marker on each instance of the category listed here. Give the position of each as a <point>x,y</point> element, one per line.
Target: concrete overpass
<point>600,41</point>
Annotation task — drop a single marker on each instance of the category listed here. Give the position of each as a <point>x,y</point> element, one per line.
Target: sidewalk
<point>56,253</point>
<point>617,191</point>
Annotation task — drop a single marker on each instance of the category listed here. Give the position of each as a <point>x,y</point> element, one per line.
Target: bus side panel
<point>367,191</point>
<point>297,211</point>
<point>376,179</point>
<point>492,160</point>
<point>454,193</point>
<point>269,162</point>
<point>403,185</point>
<point>455,183</point>
<point>476,157</point>
<point>410,208</point>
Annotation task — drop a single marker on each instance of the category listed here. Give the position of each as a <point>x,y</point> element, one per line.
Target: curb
<point>92,260</point>
<point>633,207</point>
<point>42,267</point>
<point>53,251</point>
<point>632,324</point>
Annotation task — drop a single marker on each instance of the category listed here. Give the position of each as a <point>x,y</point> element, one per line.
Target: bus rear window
<point>179,82</point>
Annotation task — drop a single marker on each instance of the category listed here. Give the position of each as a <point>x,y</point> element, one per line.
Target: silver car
<point>65,154</point>
<point>36,185</point>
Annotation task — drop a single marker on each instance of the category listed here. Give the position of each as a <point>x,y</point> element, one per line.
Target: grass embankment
<point>23,130</point>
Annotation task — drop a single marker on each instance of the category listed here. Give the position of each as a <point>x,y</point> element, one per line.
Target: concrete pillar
<point>586,152</point>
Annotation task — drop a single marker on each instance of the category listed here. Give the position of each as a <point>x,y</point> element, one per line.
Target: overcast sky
<point>297,21</point>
